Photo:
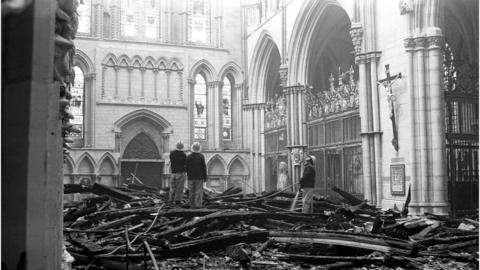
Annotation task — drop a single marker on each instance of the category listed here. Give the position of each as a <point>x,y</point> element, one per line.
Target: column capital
<point>214,84</point>
<point>283,70</point>
<point>116,67</point>
<point>373,56</point>
<point>360,59</point>
<point>191,81</point>
<point>435,42</point>
<point>130,69</point>
<point>142,69</point>
<point>168,71</point>
<point>238,86</point>
<point>294,89</point>
<point>420,43</point>
<point>156,70</point>
<point>405,7</point>
<point>409,43</point>
<point>254,106</point>
<point>90,76</point>
<point>356,33</point>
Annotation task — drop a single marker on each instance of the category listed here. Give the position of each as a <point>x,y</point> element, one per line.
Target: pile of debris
<point>134,227</point>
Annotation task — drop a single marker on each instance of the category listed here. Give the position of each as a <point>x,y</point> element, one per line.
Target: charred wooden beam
<point>330,259</point>
<point>209,244</point>
<point>398,247</point>
<point>115,193</point>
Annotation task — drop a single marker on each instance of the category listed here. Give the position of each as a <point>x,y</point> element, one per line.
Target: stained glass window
<point>227,109</point>
<point>199,21</point>
<point>84,16</point>
<point>77,102</point>
<point>128,19</point>
<point>200,110</point>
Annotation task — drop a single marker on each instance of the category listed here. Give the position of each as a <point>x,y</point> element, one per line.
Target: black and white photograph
<point>240,134</point>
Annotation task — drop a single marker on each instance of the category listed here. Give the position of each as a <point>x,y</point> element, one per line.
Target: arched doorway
<point>322,62</point>
<point>142,139</point>
<point>266,78</point>
<point>142,160</point>
<point>461,104</point>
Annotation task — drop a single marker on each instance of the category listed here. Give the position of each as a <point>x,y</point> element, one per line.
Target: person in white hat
<point>178,160</point>
<point>307,183</point>
<point>197,175</point>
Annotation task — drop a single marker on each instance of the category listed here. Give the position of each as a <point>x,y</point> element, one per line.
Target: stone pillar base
<point>416,209</point>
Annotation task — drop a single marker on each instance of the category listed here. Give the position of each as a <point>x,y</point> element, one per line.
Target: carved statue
<point>66,25</point>
<point>282,180</point>
<point>199,107</point>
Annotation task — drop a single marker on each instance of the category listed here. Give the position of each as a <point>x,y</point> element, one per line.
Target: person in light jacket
<point>197,175</point>
<point>307,183</point>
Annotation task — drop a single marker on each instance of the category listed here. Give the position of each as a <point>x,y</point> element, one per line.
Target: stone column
<point>168,73</point>
<point>142,93</point>
<point>238,120</point>
<point>415,190</point>
<point>117,68</point>
<point>97,14</point>
<point>365,133</point>
<point>165,142</point>
<point>155,87</point>
<point>118,136</point>
<point>261,118</point>
<point>191,108</point>
<point>130,70</point>
<point>104,68</point>
<point>422,116</point>
<point>180,86</point>
<point>89,108</point>
<point>439,201</point>
<point>377,133</point>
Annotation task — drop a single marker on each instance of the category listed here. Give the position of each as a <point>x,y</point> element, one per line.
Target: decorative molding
<point>283,70</point>
<point>356,32</point>
<point>276,112</point>
<point>254,106</point>
<point>420,43</point>
<point>405,7</point>
<point>435,42</point>
<point>134,102</point>
<point>214,84</point>
<point>341,96</point>
<point>409,43</point>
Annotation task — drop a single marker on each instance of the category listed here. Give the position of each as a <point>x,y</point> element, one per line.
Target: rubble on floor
<point>135,227</point>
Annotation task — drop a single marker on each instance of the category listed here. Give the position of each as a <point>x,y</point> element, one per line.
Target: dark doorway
<point>150,173</point>
<point>141,159</point>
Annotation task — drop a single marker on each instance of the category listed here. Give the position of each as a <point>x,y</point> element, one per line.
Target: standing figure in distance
<point>197,175</point>
<point>282,179</point>
<point>307,183</point>
<point>178,160</point>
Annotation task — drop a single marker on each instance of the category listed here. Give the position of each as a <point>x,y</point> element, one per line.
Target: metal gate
<point>462,150</point>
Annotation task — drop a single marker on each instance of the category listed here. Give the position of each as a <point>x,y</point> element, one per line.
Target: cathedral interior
<point>382,94</point>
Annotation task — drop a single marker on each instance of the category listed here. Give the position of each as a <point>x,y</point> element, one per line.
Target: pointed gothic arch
<point>264,65</point>
<point>149,62</point>
<point>110,60</point>
<point>82,60</point>
<point>317,23</point>
<point>137,61</point>
<point>86,164</point>
<point>142,146</point>
<point>162,63</point>
<point>237,166</point>
<point>124,61</point>
<point>216,165</point>
<point>108,157</point>
<point>233,70</point>
<point>205,68</point>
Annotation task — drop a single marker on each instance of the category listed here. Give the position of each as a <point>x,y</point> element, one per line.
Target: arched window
<point>199,21</point>
<point>77,104</point>
<point>151,18</point>
<point>200,111</point>
<point>84,16</point>
<point>227,109</point>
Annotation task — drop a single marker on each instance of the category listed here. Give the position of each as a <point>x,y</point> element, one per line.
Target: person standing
<point>197,175</point>
<point>178,160</point>
<point>307,183</point>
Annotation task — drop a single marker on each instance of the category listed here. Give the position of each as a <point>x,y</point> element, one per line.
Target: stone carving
<point>275,112</point>
<point>66,25</point>
<point>283,70</point>
<point>356,32</point>
<point>409,43</point>
<point>404,7</point>
<point>340,96</point>
<point>435,41</point>
<point>459,75</point>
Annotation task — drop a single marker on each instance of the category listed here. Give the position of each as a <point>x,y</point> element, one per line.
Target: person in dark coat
<point>307,183</point>
<point>197,175</point>
<point>178,160</point>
